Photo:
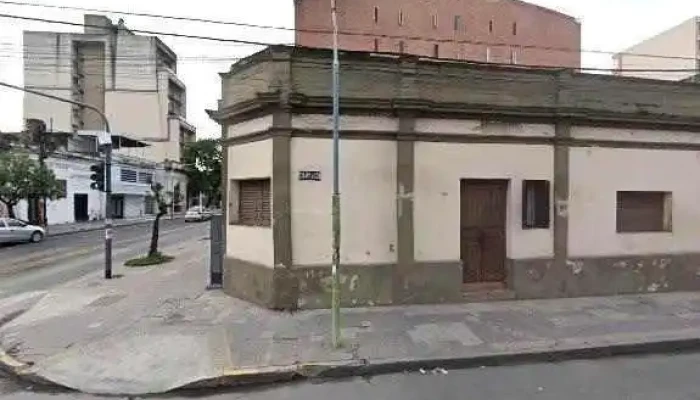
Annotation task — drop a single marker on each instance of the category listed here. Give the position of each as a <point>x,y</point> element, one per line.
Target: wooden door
<point>483,230</point>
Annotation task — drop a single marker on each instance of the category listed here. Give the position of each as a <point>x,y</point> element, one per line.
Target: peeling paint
<point>576,266</point>
<point>620,264</point>
<point>654,287</point>
<point>664,262</point>
<point>562,207</point>
<point>354,281</point>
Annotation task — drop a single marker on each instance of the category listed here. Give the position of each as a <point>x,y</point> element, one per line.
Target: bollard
<point>216,249</point>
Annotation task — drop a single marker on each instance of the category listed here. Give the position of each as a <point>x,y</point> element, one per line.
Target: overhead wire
<point>257,43</point>
<point>143,31</point>
<point>324,31</point>
<point>139,62</point>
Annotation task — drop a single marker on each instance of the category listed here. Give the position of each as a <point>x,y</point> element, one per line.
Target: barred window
<point>149,205</point>
<point>62,188</point>
<point>145,177</point>
<point>536,204</point>
<point>128,175</point>
<point>254,202</point>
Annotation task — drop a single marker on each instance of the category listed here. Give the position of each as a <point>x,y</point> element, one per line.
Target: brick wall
<point>511,30</point>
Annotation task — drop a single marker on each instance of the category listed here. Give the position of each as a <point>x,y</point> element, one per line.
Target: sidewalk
<point>66,229</point>
<point>157,329</point>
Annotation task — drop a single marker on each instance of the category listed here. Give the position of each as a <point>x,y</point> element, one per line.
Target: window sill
<point>643,232</point>
<point>249,225</point>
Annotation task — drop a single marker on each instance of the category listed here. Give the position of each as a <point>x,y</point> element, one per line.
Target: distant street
<point>668,377</point>
<point>27,267</point>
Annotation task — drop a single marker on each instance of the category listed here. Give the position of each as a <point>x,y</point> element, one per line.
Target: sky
<point>607,25</point>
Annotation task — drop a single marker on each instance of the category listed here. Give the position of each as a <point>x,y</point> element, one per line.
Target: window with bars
<point>254,203</point>
<point>149,205</point>
<point>402,47</point>
<point>436,50</point>
<point>376,45</point>
<point>128,175</point>
<point>643,211</point>
<point>536,204</point>
<point>62,188</point>
<point>145,177</point>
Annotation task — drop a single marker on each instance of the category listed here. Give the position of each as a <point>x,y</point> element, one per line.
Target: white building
<point>131,78</point>
<point>457,181</point>
<point>677,48</point>
<point>131,186</point>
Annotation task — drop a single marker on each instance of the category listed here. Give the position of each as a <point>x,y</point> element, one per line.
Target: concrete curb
<point>382,367</point>
<point>355,368</point>
<point>101,227</point>
<point>22,371</point>
<point>96,228</point>
<point>250,377</point>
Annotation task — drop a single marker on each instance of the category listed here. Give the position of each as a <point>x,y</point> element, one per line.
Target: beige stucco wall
<point>56,114</point>
<point>255,125</point>
<point>347,122</point>
<point>368,201</point>
<point>635,135</point>
<point>439,168</point>
<point>681,41</point>
<point>140,115</point>
<point>250,243</point>
<point>596,174</point>
<point>472,127</point>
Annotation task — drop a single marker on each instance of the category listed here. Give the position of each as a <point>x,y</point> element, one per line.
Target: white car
<point>13,230</point>
<point>197,214</point>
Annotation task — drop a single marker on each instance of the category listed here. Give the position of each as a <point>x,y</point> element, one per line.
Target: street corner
<point>133,363</point>
<point>48,305</point>
<point>12,307</point>
<point>235,377</point>
<point>22,371</point>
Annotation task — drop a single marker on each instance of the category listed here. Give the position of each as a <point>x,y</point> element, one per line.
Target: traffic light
<point>97,177</point>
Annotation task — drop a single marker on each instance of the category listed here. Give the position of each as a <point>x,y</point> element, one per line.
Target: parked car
<point>197,214</point>
<point>14,230</point>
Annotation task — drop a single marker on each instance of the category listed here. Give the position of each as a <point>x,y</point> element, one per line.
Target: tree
<point>38,140</point>
<point>163,202</point>
<point>162,205</point>
<point>202,164</point>
<point>23,178</point>
<point>15,179</point>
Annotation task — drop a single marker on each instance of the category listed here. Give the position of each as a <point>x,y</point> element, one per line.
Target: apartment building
<point>677,48</point>
<point>131,78</point>
<point>497,31</point>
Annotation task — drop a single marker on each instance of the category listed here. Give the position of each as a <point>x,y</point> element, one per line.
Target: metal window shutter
<point>249,195</point>
<point>640,211</point>
<point>265,203</point>
<point>255,202</point>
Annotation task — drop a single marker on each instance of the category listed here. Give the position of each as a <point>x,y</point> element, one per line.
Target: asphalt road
<point>59,259</point>
<point>667,377</point>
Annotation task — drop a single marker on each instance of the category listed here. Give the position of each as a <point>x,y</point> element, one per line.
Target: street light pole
<point>108,168</point>
<point>335,299</point>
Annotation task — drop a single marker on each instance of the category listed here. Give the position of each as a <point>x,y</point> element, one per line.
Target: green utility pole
<point>335,300</point>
